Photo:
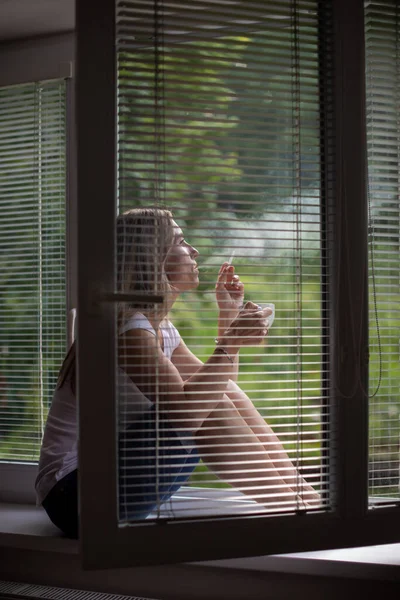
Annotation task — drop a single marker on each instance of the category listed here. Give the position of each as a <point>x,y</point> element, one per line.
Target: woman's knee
<point>220,420</point>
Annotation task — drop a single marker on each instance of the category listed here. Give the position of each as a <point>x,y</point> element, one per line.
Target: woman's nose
<point>194,252</point>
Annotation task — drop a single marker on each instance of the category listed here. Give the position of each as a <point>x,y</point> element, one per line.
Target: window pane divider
<point>348,280</point>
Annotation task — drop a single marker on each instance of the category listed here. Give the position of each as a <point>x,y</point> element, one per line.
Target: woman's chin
<point>187,286</point>
<point>194,284</point>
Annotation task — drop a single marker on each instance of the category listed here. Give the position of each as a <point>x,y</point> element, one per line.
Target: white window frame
<point>350,522</point>
<point>27,62</point>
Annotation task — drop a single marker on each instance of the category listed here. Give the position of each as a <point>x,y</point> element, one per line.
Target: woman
<point>196,408</point>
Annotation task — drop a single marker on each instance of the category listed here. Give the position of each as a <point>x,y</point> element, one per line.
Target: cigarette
<point>231,257</point>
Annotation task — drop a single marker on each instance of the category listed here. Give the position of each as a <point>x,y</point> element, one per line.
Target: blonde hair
<point>143,238</point>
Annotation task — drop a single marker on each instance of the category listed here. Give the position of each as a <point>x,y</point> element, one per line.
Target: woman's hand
<point>249,328</point>
<point>229,292</point>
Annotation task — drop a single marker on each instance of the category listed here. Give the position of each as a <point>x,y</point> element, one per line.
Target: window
<point>233,121</point>
<point>32,251</point>
<point>245,121</point>
<point>382,84</point>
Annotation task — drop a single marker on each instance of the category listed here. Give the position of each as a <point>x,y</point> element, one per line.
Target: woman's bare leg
<point>271,443</point>
<point>231,449</point>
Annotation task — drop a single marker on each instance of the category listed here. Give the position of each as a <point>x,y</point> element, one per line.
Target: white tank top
<point>59,453</point>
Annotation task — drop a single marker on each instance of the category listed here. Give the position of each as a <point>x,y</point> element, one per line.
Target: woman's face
<point>180,264</point>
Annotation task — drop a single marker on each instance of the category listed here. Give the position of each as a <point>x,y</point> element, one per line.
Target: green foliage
<point>32,262</point>
<point>221,148</point>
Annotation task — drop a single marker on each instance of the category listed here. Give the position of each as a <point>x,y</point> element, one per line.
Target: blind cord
<point>357,346</point>
<point>373,276</point>
<point>296,94</point>
<point>38,127</point>
<point>342,195</point>
<point>376,316</point>
<point>159,197</point>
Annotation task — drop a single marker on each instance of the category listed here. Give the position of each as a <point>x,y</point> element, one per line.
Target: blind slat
<point>219,120</point>
<point>32,259</point>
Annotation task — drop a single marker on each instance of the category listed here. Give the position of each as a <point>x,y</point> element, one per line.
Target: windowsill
<point>27,528</point>
<point>369,563</point>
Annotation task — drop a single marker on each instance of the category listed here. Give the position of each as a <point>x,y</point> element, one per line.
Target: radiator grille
<point>12,590</point>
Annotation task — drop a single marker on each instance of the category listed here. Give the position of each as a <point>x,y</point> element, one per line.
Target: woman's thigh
<point>154,461</point>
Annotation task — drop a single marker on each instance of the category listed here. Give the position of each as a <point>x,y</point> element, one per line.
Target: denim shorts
<point>149,476</point>
<point>149,473</point>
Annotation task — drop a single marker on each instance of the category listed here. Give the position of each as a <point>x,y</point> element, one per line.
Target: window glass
<point>383,129</point>
<point>219,122</point>
<point>32,259</point>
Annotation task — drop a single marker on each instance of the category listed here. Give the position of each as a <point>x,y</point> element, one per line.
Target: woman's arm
<point>188,363</point>
<point>142,359</point>
<point>185,361</point>
<point>229,292</point>
<point>188,400</point>
<point>223,324</point>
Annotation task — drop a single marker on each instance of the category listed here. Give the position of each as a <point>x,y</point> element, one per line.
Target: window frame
<point>350,523</point>
<point>24,62</point>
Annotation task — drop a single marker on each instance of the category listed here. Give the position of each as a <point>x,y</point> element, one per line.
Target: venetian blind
<point>219,121</point>
<point>32,259</point>
<point>382,26</point>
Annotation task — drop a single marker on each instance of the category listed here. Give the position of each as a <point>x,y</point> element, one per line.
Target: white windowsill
<point>27,528</point>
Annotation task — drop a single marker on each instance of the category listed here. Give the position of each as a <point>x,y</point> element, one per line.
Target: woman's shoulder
<point>140,331</point>
<point>137,321</point>
<point>172,333</point>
